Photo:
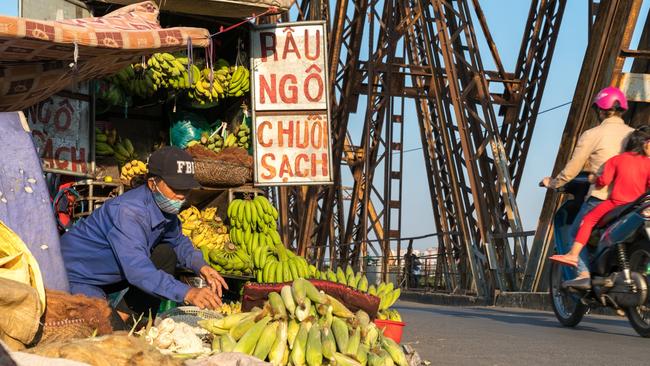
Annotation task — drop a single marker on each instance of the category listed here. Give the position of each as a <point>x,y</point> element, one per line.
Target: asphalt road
<point>499,336</point>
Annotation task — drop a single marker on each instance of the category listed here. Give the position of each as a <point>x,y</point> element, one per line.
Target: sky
<point>506,19</point>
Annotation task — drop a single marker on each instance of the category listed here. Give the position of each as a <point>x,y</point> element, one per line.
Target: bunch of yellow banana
<point>230,308</point>
<point>205,229</point>
<point>132,169</point>
<point>389,314</point>
<point>104,142</point>
<point>171,72</point>
<point>211,85</point>
<point>239,81</point>
<point>124,152</point>
<point>303,326</point>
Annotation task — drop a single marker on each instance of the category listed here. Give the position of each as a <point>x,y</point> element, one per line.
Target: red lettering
<point>265,47</point>
<point>326,142</point>
<point>63,116</point>
<point>293,90</point>
<point>78,161</point>
<point>323,162</point>
<point>285,168</point>
<point>44,113</point>
<point>305,140</point>
<point>319,82</point>
<point>269,168</point>
<point>266,89</point>
<point>60,162</point>
<point>317,41</point>
<point>299,172</point>
<point>260,134</point>
<point>316,135</point>
<point>289,41</point>
<point>285,131</point>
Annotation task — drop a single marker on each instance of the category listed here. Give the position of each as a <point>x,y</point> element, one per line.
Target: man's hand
<point>214,280</point>
<point>546,182</point>
<point>592,178</point>
<point>203,298</point>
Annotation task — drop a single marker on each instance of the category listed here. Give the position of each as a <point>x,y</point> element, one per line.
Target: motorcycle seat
<point>620,211</point>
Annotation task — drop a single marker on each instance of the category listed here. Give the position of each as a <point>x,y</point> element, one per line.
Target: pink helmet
<point>608,97</point>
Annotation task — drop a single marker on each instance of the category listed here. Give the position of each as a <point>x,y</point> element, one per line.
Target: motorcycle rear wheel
<point>639,316</point>
<point>567,307</point>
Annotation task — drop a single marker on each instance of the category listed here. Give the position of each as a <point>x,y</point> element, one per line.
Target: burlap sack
<point>21,310</point>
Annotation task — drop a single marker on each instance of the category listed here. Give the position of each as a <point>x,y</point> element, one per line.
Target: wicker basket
<point>217,173</point>
<point>188,314</point>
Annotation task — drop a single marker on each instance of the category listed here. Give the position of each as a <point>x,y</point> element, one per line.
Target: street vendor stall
<point>153,87</point>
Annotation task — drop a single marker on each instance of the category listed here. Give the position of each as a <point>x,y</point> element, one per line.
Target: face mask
<point>168,205</point>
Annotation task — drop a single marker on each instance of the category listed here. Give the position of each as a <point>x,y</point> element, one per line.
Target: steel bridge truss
<point>475,129</point>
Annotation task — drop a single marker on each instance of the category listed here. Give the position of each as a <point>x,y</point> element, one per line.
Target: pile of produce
<point>254,227</point>
<point>107,143</point>
<point>386,292</point>
<point>205,228</point>
<point>176,337</point>
<point>303,326</point>
<point>133,169</point>
<point>176,74</point>
<point>241,137</point>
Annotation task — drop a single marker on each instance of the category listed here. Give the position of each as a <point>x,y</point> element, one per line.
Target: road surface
<point>500,336</point>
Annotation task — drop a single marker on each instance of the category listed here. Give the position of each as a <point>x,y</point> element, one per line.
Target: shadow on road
<point>531,318</point>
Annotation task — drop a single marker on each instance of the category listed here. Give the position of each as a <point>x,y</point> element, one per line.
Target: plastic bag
<point>186,127</point>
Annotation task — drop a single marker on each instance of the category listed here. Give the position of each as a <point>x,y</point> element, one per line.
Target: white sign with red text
<point>291,104</point>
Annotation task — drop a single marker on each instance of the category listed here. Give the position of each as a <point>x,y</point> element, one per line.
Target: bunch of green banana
<point>303,326</point>
<point>124,152</point>
<point>277,264</point>
<point>239,81</point>
<point>251,215</point>
<point>136,80</point>
<point>212,142</point>
<point>231,259</point>
<point>112,94</point>
<point>104,141</point>
<point>386,292</point>
<point>240,138</point>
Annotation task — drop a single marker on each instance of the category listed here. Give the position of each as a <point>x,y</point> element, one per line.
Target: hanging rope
<point>270,11</point>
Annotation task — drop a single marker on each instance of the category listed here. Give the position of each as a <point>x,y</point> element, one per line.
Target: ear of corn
<point>247,342</point>
<point>312,292</point>
<point>343,360</point>
<point>241,328</point>
<point>362,354</point>
<point>279,345</point>
<point>277,306</point>
<point>385,357</point>
<point>300,345</point>
<point>328,343</point>
<point>394,350</point>
<point>227,343</point>
<point>353,343</point>
<point>292,332</point>
<point>304,310</point>
<point>339,309</point>
<point>266,340</point>
<point>314,351</point>
<point>287,298</point>
<point>299,291</point>
<point>341,333</point>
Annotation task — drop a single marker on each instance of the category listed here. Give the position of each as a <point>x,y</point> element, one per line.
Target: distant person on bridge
<point>595,146</point>
<point>629,175</point>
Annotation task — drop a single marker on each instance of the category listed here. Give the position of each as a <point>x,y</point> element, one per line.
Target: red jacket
<point>630,174</point>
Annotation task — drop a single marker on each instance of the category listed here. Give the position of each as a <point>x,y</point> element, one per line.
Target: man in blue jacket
<point>135,241</point>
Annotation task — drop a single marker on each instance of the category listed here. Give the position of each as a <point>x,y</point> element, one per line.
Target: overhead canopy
<point>37,58</point>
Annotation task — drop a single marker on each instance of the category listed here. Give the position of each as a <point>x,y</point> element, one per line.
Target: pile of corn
<point>303,326</point>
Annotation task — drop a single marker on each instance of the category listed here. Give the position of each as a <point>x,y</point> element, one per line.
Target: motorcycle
<point>619,251</point>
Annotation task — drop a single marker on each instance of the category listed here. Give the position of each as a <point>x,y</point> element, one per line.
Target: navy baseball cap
<point>175,166</point>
